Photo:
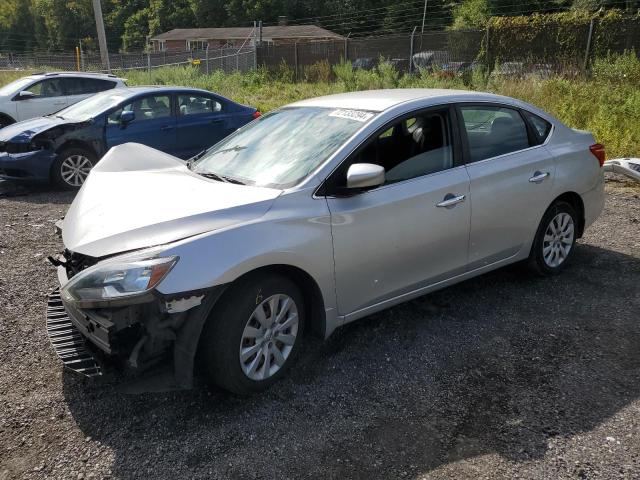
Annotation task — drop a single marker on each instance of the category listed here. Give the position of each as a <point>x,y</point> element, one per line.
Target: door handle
<point>59,103</point>
<point>450,200</point>
<point>215,121</point>
<point>165,128</point>
<point>538,177</point>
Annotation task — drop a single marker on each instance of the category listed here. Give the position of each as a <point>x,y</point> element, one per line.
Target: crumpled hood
<point>138,197</point>
<point>24,131</point>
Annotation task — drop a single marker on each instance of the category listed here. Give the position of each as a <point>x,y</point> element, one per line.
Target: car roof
<point>380,100</point>
<point>165,88</point>
<point>75,74</point>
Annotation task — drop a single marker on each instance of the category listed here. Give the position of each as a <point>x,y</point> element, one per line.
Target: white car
<point>310,217</point>
<point>44,93</point>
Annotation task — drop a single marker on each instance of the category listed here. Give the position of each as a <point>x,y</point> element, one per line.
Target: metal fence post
<point>206,58</point>
<point>487,56</point>
<point>587,50</point>
<point>295,59</point>
<point>411,50</point>
<point>149,65</point>
<point>346,48</point>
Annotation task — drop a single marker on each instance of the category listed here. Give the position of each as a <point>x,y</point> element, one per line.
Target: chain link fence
<point>225,59</point>
<point>508,51</point>
<point>511,51</point>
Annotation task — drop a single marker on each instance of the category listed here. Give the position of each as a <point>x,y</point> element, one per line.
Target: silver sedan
<point>310,217</point>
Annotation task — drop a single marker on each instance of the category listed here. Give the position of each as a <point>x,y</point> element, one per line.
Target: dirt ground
<point>504,376</point>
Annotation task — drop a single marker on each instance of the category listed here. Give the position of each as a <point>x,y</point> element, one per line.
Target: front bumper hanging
<point>67,341</point>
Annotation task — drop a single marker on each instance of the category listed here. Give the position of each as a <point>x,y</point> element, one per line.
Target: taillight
<point>256,114</point>
<point>598,152</point>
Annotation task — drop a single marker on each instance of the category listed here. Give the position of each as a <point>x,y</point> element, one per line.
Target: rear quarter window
<point>94,85</point>
<point>541,128</point>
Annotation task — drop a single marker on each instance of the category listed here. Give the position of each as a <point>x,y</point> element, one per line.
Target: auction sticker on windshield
<point>358,115</point>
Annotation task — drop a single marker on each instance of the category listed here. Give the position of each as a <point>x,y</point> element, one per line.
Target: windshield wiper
<point>213,176</point>
<point>221,178</point>
<point>233,180</point>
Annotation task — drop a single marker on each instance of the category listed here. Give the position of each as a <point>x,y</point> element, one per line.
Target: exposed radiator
<point>67,341</point>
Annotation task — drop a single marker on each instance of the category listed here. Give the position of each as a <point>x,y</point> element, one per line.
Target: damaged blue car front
<point>25,150</point>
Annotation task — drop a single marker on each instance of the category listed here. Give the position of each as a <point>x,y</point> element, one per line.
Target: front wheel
<point>253,336</point>
<point>72,168</point>
<point>555,239</point>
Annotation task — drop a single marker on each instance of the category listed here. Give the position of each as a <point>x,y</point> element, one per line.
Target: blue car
<point>61,148</point>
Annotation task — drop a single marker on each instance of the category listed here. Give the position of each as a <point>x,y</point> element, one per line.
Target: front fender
<point>295,232</point>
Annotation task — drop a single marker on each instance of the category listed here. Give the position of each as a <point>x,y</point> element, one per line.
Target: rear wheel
<point>72,167</point>
<point>253,336</point>
<point>555,239</point>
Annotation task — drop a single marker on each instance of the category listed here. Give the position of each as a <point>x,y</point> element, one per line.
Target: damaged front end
<point>28,149</point>
<point>25,161</point>
<point>133,333</point>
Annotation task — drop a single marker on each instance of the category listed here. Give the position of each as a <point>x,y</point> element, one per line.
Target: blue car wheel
<point>72,167</point>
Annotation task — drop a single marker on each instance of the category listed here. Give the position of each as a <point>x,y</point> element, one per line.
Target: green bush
<point>346,75</point>
<point>284,73</point>
<point>318,72</point>
<point>559,38</point>
<point>617,68</point>
<point>389,76</point>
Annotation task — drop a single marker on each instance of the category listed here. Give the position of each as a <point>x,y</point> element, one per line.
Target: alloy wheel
<point>558,240</point>
<point>268,337</point>
<point>75,169</point>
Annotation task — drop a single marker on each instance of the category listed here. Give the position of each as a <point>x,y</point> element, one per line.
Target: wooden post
<point>102,39</point>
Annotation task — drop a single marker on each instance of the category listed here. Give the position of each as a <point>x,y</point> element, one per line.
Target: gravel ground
<point>504,376</point>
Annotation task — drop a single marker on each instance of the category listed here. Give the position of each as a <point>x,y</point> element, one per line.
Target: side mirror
<point>363,175</point>
<point>25,95</point>
<point>126,118</point>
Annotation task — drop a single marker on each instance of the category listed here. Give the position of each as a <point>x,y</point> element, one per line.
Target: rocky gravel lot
<point>504,376</point>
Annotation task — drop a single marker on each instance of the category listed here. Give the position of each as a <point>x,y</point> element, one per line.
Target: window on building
<point>197,45</point>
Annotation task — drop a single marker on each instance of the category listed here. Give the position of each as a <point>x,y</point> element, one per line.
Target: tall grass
<point>7,76</point>
<point>607,104</point>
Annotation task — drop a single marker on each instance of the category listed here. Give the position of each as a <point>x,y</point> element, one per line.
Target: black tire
<point>70,154</point>
<point>537,259</point>
<point>221,339</point>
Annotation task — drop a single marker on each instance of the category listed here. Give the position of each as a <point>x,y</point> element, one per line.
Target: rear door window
<point>86,86</point>
<point>191,104</point>
<point>493,131</point>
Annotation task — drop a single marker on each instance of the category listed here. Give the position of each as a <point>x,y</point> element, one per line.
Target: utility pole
<point>424,15</point>
<point>102,38</point>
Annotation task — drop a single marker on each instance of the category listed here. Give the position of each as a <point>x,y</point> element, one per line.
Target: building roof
<point>280,31</point>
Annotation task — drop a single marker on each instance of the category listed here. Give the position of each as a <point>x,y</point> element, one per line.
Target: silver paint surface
<point>365,252</point>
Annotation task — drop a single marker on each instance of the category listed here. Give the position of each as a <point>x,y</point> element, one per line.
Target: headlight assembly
<point>117,281</point>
